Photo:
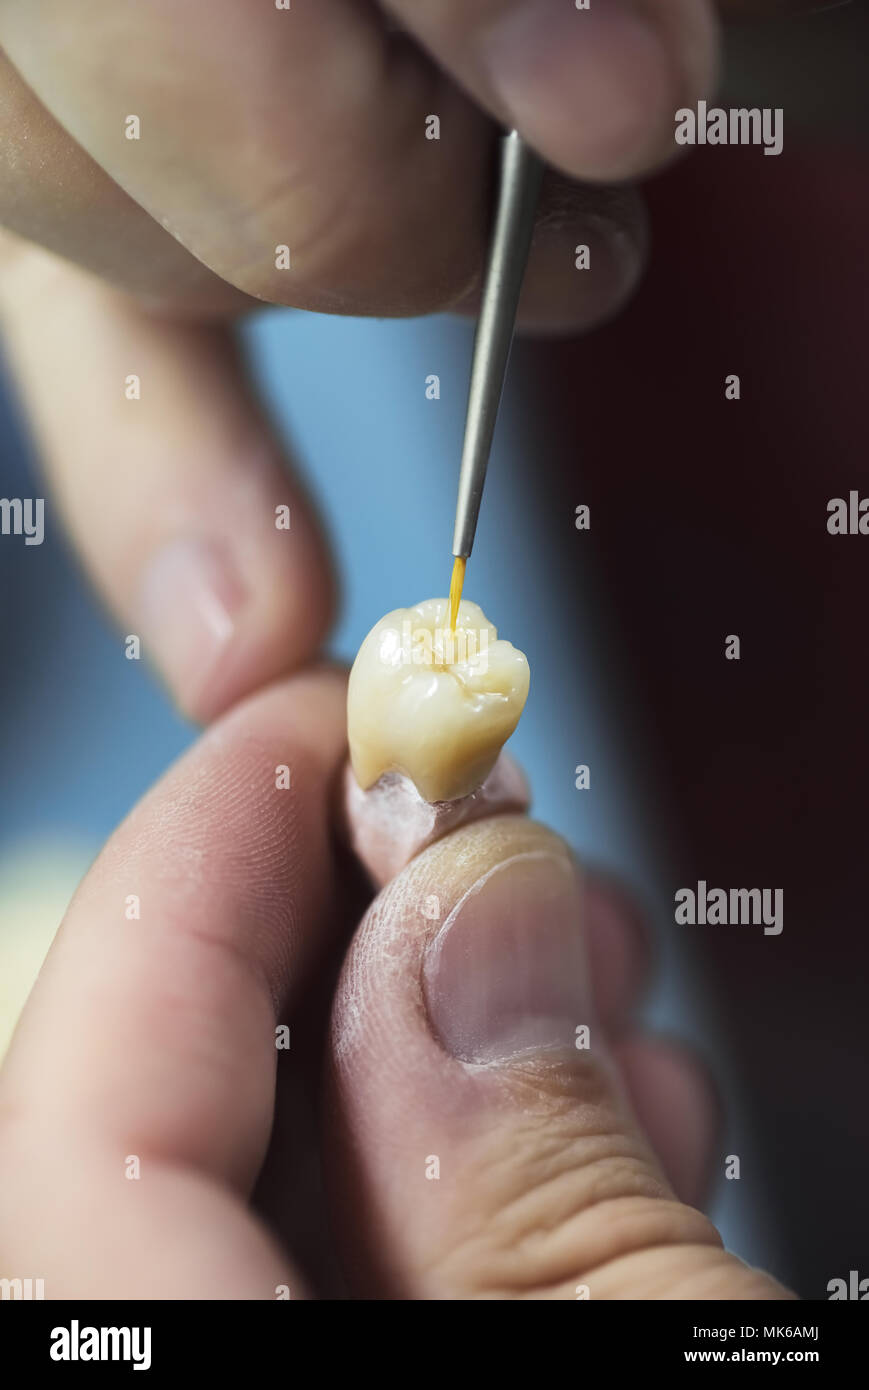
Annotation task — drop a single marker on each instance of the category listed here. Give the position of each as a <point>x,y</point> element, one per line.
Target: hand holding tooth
<point>474,951</point>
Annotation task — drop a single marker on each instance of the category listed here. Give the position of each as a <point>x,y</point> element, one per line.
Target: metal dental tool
<point>519,179</point>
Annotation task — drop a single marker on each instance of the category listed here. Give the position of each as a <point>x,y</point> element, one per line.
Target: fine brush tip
<point>457,583</point>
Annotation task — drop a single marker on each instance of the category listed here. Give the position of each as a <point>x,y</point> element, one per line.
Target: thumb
<point>475,1150</point>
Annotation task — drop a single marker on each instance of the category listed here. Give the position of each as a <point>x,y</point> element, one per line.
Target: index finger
<point>148,1043</point>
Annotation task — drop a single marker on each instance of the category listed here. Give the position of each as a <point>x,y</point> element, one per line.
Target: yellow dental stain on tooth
<point>433,701</point>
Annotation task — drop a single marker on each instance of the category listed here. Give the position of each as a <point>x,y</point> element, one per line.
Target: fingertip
<point>587,258</point>
<point>224,617</point>
<point>595,88</point>
<point>173,486</point>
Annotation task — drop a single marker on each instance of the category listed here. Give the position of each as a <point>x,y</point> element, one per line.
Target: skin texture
<point>546,1183</point>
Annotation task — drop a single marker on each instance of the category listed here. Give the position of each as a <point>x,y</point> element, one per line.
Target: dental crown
<point>434,704</point>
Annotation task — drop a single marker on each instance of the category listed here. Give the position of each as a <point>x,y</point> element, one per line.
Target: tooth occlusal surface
<point>433,704</point>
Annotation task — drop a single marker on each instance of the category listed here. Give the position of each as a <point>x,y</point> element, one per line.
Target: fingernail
<point>507,973</point>
<point>189,604</point>
<point>554,298</point>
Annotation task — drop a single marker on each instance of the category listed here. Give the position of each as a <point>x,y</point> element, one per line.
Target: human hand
<point>163,466</point>
<point>471,1150</point>
<point>262,128</point>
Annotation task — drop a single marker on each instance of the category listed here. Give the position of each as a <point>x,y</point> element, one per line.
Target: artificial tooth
<point>433,704</point>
